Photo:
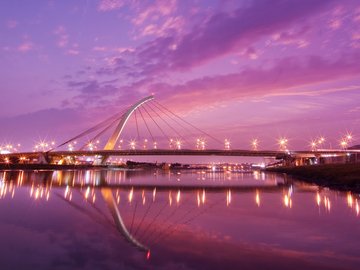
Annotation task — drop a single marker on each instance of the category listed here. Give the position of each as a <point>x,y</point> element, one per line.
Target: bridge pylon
<point>110,145</point>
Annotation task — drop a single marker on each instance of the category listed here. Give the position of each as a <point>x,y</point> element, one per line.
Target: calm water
<point>173,220</point>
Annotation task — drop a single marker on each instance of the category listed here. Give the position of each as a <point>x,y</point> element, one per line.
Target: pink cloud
<point>25,47</point>
<point>335,24</point>
<point>222,34</point>
<point>170,24</point>
<point>63,37</point>
<point>72,52</point>
<point>12,24</point>
<point>284,78</point>
<point>292,37</point>
<point>155,11</point>
<point>99,49</point>
<point>109,5</point>
<point>250,53</point>
<point>158,19</point>
<point>355,36</point>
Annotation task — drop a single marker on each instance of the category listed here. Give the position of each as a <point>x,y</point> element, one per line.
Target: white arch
<point>120,225</point>
<point>110,145</point>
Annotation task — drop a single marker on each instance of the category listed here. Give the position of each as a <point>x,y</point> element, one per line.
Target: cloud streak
<point>285,77</point>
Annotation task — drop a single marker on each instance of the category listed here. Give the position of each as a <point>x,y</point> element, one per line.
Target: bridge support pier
<point>100,160</point>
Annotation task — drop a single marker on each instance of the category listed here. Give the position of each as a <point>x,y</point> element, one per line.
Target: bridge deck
<point>184,152</point>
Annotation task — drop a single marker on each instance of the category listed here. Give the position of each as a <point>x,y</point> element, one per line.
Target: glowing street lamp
<point>70,147</point>
<point>91,146</point>
<point>200,144</point>
<point>343,143</point>
<point>227,144</point>
<point>42,146</point>
<point>145,144</point>
<point>313,145</point>
<point>171,143</point>
<point>132,145</point>
<point>120,143</point>
<point>349,137</point>
<point>254,144</point>
<point>283,144</point>
<point>178,144</point>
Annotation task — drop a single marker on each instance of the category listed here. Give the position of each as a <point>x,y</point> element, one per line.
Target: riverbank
<point>344,177</point>
<point>4,166</point>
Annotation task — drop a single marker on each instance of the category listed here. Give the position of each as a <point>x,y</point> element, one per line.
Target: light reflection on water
<point>256,214</point>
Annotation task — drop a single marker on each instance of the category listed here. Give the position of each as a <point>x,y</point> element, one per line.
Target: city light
<point>321,140</point>
<point>349,137</point>
<point>178,144</point>
<point>343,143</point>
<point>120,144</point>
<point>313,145</point>
<point>90,146</point>
<point>171,143</point>
<point>145,144</point>
<point>346,140</point>
<point>132,144</point>
<point>227,144</point>
<point>200,144</point>
<point>70,147</point>
<point>43,146</point>
<point>255,144</point>
<point>282,142</point>
<point>9,148</point>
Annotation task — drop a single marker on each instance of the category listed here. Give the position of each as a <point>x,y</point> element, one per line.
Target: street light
<point>283,144</point>
<point>255,144</point>
<point>227,144</point>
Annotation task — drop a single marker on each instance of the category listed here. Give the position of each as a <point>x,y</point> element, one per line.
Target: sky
<point>239,70</point>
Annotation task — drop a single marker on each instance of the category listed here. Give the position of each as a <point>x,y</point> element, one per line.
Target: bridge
<point>161,125</point>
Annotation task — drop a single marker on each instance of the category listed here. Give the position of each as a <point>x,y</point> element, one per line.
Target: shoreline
<point>47,167</point>
<point>342,177</point>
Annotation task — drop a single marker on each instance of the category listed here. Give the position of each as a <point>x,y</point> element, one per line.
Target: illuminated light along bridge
<point>146,106</point>
<point>186,152</point>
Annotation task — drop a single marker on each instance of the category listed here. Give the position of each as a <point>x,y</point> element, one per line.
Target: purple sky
<point>237,69</point>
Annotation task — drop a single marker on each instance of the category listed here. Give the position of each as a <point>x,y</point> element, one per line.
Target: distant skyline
<point>237,69</point>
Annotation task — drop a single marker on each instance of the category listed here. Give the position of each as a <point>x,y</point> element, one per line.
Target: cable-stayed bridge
<point>158,132</point>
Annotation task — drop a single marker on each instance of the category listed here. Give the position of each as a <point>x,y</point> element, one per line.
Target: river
<point>190,219</point>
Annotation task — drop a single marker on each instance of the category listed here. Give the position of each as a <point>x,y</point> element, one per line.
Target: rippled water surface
<point>197,219</point>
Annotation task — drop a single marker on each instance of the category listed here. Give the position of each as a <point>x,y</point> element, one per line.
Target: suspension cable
<point>166,122</point>
<point>133,217</point>
<point>156,123</point>
<point>100,133</point>
<point>137,127</point>
<point>143,218</point>
<point>153,235</point>
<point>152,221</point>
<point>92,129</point>
<point>165,233</point>
<point>173,119</point>
<point>203,132</point>
<point>152,137</point>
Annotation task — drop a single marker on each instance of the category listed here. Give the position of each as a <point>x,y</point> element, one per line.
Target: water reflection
<point>147,214</point>
<point>88,181</point>
<point>353,203</point>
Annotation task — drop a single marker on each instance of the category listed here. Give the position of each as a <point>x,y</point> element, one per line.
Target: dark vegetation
<point>337,176</point>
